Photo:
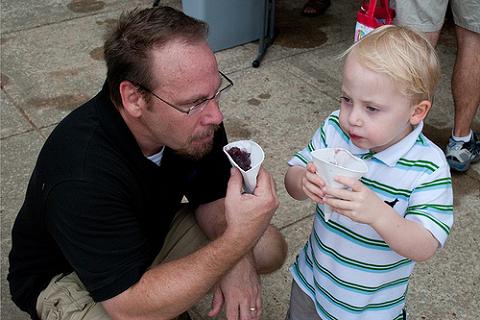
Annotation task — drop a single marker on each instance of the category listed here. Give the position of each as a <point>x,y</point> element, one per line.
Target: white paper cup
<point>256,157</point>
<point>333,162</point>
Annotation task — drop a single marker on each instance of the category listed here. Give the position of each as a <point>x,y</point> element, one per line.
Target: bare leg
<point>270,251</point>
<point>466,80</point>
<point>433,37</point>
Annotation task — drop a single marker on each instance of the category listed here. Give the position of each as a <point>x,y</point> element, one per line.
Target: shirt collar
<point>392,154</point>
<point>157,157</point>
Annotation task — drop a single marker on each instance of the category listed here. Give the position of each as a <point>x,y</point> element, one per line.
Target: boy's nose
<point>355,117</point>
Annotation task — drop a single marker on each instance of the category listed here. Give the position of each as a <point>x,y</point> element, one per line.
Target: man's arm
<point>169,289</point>
<point>240,287</point>
<point>268,254</point>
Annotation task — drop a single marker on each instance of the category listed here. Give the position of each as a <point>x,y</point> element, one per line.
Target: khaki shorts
<point>67,298</point>
<point>428,15</point>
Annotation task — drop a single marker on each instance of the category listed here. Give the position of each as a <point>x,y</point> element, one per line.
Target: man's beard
<point>197,152</point>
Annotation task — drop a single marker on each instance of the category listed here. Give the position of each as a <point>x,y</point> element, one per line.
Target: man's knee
<point>271,251</point>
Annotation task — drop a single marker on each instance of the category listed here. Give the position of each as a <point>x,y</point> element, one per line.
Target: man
<point>463,148</point>
<point>103,233</point>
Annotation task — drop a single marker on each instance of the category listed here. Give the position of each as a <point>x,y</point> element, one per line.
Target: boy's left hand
<point>359,204</point>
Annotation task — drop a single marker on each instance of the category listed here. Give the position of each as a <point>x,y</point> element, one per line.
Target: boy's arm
<point>408,238</point>
<point>293,182</point>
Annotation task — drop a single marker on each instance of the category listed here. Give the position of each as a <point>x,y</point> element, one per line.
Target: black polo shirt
<point>96,205</point>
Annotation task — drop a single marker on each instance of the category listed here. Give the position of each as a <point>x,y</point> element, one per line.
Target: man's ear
<point>132,99</point>
<point>420,111</point>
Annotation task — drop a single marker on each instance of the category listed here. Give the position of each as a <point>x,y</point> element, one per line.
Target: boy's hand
<point>313,185</point>
<point>359,204</point>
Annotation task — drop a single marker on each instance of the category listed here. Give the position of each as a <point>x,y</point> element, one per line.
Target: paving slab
<point>42,82</point>
<point>296,34</point>
<point>16,15</point>
<point>51,62</point>
<point>12,122</point>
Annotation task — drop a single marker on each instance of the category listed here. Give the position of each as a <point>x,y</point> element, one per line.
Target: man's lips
<point>205,136</point>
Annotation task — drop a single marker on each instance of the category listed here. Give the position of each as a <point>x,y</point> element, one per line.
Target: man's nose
<point>212,113</point>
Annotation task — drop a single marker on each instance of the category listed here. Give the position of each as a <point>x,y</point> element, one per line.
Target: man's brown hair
<point>127,49</point>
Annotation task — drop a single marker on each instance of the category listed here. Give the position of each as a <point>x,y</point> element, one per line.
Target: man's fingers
<point>235,182</point>
<point>265,183</point>
<point>259,306</point>
<point>217,302</point>
<point>232,313</point>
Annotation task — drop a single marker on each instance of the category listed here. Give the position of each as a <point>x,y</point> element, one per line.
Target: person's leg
<point>422,15</point>
<point>466,80</point>
<point>183,238</point>
<point>301,305</point>
<point>67,298</point>
<point>433,37</point>
<point>271,251</point>
<point>464,145</point>
<point>313,8</point>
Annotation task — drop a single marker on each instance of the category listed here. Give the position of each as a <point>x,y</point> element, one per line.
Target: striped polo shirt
<point>345,267</point>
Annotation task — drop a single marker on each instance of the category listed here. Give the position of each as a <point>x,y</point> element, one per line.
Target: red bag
<point>371,16</point>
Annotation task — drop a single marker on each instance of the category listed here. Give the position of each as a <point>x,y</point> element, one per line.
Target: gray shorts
<point>301,305</point>
<point>67,298</point>
<point>429,15</point>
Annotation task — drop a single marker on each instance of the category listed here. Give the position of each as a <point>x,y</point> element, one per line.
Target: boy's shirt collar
<point>392,154</point>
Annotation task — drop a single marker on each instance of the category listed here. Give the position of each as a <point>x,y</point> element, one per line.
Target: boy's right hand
<point>313,184</point>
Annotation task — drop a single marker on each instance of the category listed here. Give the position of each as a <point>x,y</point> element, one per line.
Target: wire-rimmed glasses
<point>198,106</point>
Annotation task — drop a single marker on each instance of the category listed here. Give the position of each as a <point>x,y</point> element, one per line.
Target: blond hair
<point>404,55</point>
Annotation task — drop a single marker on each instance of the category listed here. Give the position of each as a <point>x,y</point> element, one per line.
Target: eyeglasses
<point>199,106</point>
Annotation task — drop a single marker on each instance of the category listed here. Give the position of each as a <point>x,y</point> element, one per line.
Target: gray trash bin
<point>231,22</point>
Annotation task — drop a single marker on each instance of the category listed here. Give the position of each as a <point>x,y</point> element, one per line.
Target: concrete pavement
<point>51,62</point>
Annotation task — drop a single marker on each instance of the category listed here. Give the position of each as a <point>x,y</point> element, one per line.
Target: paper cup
<point>333,162</point>
<point>256,157</point>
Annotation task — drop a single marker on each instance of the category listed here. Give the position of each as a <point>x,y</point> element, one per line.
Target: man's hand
<point>248,215</point>
<point>239,290</point>
<point>359,204</point>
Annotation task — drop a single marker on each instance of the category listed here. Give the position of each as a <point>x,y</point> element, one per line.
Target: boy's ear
<point>132,100</point>
<point>420,111</point>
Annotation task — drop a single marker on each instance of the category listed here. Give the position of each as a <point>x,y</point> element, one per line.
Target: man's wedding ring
<point>252,309</point>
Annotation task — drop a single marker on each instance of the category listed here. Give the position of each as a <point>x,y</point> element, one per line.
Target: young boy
<point>357,265</point>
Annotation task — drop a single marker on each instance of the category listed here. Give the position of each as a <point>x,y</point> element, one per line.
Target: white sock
<point>464,138</point>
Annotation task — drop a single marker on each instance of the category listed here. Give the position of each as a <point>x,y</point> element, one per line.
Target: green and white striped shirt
<point>345,267</point>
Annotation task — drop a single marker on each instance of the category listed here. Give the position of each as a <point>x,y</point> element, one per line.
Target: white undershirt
<point>157,157</point>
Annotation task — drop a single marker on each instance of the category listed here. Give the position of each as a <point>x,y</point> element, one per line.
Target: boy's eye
<point>371,109</point>
<point>345,100</point>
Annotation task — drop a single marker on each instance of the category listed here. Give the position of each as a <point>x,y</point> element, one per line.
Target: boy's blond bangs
<point>404,55</point>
